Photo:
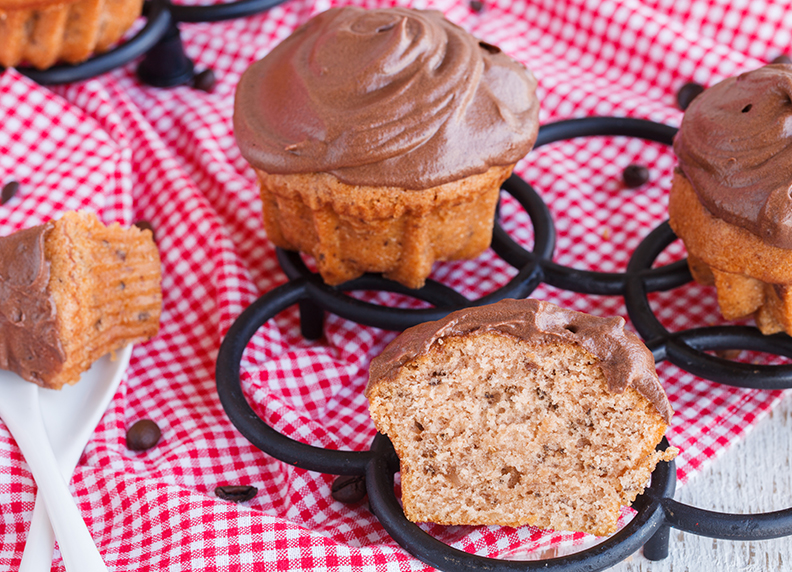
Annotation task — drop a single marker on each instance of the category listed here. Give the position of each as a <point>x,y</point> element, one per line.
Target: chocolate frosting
<point>390,97</point>
<point>735,147</point>
<point>29,342</point>
<point>624,359</point>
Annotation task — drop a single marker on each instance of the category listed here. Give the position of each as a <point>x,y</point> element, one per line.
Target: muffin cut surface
<point>491,428</point>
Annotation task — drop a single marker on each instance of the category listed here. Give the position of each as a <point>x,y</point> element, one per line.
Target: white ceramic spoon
<point>69,418</point>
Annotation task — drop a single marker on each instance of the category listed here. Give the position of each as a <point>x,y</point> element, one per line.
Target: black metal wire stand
<point>656,510</point>
<point>165,63</point>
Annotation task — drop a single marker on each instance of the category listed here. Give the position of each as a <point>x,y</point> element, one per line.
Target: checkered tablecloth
<point>131,152</point>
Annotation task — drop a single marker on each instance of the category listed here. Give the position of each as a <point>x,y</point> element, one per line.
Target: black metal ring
<point>219,12</point>
<point>534,266</point>
<point>158,19</point>
<point>592,282</point>
<point>762,526</point>
<point>240,412</point>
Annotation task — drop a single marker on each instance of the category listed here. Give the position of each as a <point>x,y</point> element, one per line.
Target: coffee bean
<point>236,493</point>
<point>476,5</point>
<point>687,93</point>
<point>635,175</point>
<point>143,434</point>
<point>146,225</point>
<point>349,489</point>
<point>782,59</point>
<point>205,80</point>
<point>9,190</point>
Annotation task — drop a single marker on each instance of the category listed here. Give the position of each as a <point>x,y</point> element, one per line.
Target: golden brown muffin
<point>520,413</point>
<point>730,198</point>
<point>41,32</point>
<point>381,138</point>
<point>352,229</point>
<point>71,291</point>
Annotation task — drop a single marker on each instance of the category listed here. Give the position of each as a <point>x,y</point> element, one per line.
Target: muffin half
<point>518,413</point>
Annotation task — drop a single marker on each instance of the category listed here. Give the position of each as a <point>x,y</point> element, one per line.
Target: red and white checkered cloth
<point>132,152</point>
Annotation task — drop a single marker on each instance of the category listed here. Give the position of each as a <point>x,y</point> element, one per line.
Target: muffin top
<point>391,97</point>
<point>735,147</point>
<point>624,359</point>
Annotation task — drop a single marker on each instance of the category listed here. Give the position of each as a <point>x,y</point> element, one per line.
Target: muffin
<point>518,413</point>
<point>43,32</point>
<point>71,291</point>
<point>730,197</point>
<point>381,138</point>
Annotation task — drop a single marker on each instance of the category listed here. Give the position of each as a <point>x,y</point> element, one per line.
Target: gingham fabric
<point>131,152</point>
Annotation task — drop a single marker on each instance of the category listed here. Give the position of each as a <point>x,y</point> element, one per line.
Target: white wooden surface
<point>755,475</point>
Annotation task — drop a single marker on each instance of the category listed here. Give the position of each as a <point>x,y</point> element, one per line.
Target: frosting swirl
<point>624,359</point>
<point>29,341</point>
<point>735,146</point>
<point>390,97</point>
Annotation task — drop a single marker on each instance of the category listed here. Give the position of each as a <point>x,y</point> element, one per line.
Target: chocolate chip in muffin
<point>9,190</point>
<point>635,175</point>
<point>236,493</point>
<point>782,59</point>
<point>205,80</point>
<point>687,93</point>
<point>143,435</point>
<point>349,489</point>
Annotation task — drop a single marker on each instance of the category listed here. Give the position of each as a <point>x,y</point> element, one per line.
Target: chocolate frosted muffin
<point>520,412</point>
<point>71,291</point>
<point>43,32</point>
<point>730,199</point>
<point>380,139</point>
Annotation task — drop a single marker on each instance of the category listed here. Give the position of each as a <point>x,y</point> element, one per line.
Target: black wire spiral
<point>656,510</point>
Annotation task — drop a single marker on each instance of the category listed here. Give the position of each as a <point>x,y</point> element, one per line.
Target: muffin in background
<point>730,197</point>
<point>43,33</point>
<point>381,138</point>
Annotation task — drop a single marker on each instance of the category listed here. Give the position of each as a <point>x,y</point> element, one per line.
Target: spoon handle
<point>70,417</point>
<point>40,542</point>
<point>76,545</point>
